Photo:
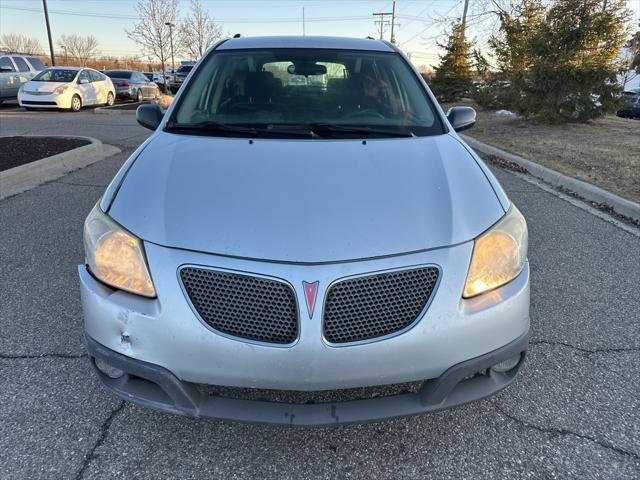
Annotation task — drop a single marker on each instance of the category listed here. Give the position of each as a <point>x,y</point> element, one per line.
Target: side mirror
<point>6,70</point>
<point>461,118</point>
<point>83,81</point>
<point>149,115</point>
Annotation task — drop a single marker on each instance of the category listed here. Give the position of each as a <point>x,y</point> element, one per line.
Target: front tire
<point>140,96</point>
<point>110,99</point>
<point>76,103</point>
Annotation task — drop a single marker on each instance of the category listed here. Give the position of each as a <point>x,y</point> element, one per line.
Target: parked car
<point>15,70</point>
<point>305,246</point>
<point>179,77</point>
<point>69,88</point>
<point>132,85</point>
<point>631,108</point>
<point>155,77</point>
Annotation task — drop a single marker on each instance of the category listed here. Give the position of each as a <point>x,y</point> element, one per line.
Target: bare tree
<point>151,32</point>
<point>198,31</point>
<point>78,47</point>
<point>16,42</point>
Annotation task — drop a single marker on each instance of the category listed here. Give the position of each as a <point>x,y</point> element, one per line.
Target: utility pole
<point>173,63</point>
<point>393,21</point>
<point>382,22</point>
<point>464,16</point>
<point>46,18</point>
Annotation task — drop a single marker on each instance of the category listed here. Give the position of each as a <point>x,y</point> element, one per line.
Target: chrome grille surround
<point>242,305</point>
<point>378,305</point>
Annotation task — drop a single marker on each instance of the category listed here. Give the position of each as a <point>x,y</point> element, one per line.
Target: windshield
<point>299,88</point>
<point>55,75</point>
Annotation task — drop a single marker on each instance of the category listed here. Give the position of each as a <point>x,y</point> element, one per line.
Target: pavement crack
<point>587,351</point>
<point>10,356</point>
<point>75,184</point>
<point>104,432</point>
<point>564,432</point>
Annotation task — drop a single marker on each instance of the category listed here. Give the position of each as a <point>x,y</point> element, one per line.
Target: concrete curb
<point>25,177</point>
<point>113,111</point>
<point>589,192</point>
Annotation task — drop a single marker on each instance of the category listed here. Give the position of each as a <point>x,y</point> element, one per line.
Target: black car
<point>179,77</point>
<point>632,107</point>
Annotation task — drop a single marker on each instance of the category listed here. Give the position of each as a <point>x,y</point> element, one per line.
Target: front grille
<point>373,306</point>
<point>37,102</point>
<point>305,398</point>
<point>243,306</point>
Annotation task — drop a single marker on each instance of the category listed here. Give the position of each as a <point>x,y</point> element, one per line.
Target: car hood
<point>305,200</point>
<point>43,87</point>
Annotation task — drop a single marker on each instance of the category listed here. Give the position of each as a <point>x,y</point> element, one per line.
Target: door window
<point>22,65</point>
<point>84,75</point>
<point>6,63</point>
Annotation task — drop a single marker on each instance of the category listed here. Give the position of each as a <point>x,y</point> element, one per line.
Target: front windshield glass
<point>296,88</point>
<point>55,75</point>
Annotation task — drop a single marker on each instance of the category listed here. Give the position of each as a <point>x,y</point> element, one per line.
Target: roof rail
<point>10,52</point>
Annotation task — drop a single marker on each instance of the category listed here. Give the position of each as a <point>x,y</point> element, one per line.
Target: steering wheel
<point>367,112</point>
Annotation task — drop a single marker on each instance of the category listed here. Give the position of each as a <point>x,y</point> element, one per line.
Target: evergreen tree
<point>453,77</point>
<point>561,61</point>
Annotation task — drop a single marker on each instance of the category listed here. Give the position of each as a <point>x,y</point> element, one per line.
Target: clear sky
<point>420,21</point>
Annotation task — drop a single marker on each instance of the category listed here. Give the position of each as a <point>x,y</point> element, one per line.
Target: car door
<point>24,71</point>
<point>99,85</point>
<point>9,78</point>
<point>86,88</point>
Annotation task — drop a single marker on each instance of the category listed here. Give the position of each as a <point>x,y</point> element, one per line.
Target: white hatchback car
<point>68,88</point>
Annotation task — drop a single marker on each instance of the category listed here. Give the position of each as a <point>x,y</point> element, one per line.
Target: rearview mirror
<point>149,115</point>
<point>461,118</point>
<point>306,69</point>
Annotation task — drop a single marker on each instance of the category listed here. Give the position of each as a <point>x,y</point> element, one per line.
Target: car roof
<point>69,68</point>
<point>346,43</point>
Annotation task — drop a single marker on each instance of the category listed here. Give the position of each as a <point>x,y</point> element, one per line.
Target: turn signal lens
<point>498,255</point>
<point>61,89</point>
<point>115,256</point>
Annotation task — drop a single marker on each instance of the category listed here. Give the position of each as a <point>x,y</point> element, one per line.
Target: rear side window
<point>95,76</point>
<point>21,64</point>
<point>5,63</point>
<point>36,63</point>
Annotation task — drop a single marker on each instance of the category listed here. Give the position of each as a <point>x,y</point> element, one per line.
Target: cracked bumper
<point>152,386</point>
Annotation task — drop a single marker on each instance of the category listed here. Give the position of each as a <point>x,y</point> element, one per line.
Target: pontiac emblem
<point>310,294</point>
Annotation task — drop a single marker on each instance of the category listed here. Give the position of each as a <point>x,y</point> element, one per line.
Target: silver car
<point>133,85</point>
<point>282,253</point>
<point>15,70</point>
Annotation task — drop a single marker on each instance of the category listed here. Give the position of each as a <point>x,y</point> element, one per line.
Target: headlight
<point>61,89</point>
<point>115,256</point>
<point>498,255</point>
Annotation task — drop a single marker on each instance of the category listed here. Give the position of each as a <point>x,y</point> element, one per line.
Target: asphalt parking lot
<point>574,411</point>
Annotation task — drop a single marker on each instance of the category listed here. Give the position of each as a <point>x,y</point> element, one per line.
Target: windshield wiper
<point>230,129</point>
<point>323,129</point>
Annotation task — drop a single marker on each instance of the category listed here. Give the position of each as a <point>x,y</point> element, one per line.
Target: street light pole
<point>46,18</point>
<point>66,56</point>
<point>173,63</point>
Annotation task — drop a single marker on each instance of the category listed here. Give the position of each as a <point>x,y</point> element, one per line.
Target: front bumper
<point>166,332</point>
<point>44,101</point>
<point>152,386</point>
